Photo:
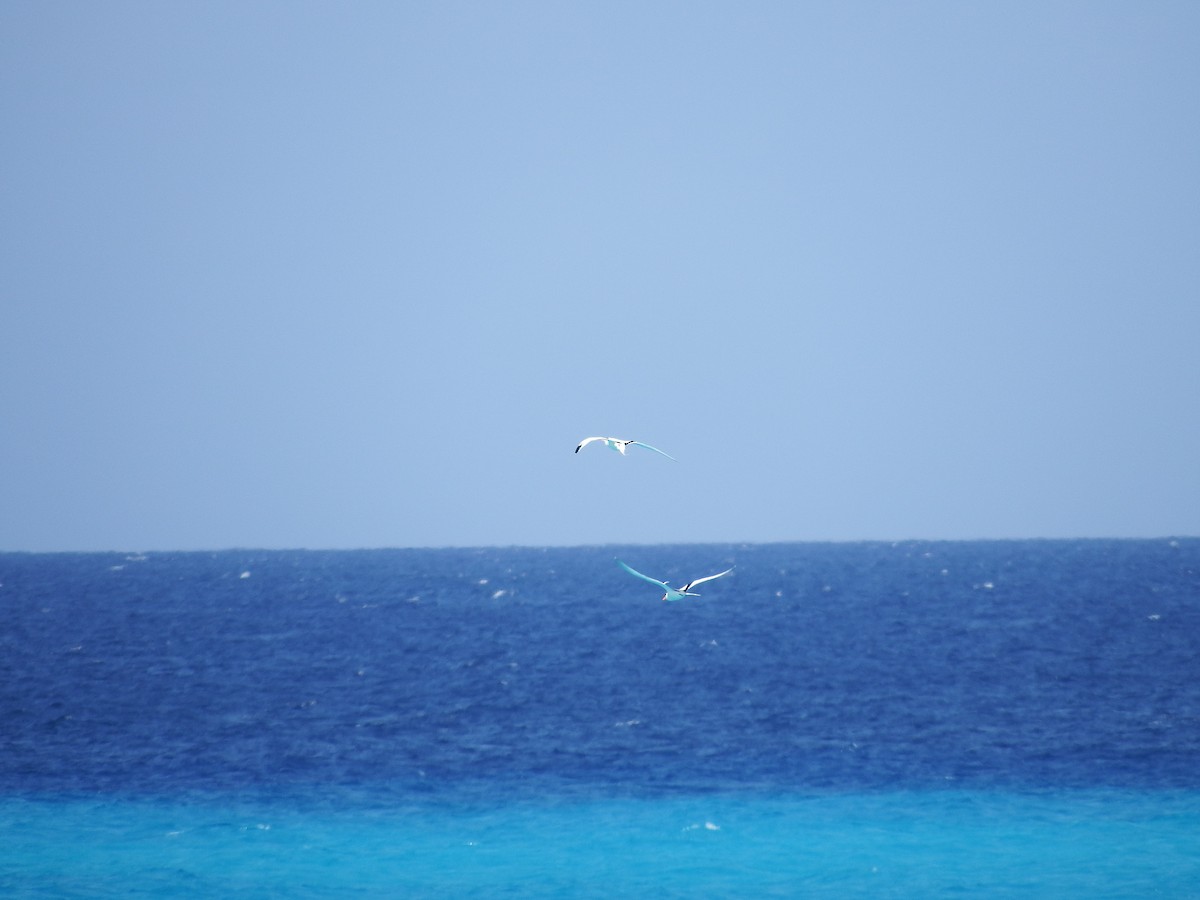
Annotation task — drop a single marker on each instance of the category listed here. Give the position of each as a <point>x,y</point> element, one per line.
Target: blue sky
<point>357,275</point>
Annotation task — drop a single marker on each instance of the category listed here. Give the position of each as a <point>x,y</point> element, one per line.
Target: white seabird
<point>672,593</point>
<point>619,445</point>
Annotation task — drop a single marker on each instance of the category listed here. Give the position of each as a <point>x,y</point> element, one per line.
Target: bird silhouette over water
<point>673,593</point>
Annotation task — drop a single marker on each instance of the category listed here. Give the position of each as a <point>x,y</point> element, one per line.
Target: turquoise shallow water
<point>902,844</point>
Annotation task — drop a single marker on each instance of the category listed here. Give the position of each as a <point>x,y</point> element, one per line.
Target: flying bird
<point>672,593</point>
<point>619,445</point>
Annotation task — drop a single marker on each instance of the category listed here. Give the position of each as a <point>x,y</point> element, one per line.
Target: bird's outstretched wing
<point>655,449</point>
<point>587,441</point>
<point>637,574</point>
<point>692,584</point>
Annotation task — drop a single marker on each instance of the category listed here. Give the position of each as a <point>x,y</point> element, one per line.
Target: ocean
<point>914,719</point>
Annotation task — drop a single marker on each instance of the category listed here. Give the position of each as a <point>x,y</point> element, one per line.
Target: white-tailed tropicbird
<point>672,593</point>
<point>619,445</point>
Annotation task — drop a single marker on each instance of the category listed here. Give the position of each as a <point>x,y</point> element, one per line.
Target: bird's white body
<point>673,593</point>
<point>619,445</point>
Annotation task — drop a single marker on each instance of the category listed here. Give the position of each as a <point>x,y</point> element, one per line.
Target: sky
<point>339,275</point>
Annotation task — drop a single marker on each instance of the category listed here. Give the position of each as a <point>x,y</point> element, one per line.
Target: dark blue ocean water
<point>1003,718</point>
